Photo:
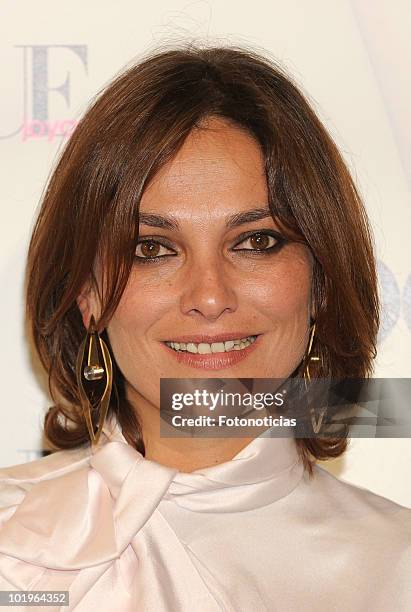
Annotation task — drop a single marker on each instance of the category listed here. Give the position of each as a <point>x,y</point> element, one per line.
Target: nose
<point>208,291</point>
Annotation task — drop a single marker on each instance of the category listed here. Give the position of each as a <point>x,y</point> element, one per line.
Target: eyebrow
<point>170,222</point>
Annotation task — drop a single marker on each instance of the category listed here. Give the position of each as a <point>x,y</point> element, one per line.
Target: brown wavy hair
<point>90,209</point>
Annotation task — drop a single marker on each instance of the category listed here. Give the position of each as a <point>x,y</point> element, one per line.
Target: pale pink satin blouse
<point>123,533</point>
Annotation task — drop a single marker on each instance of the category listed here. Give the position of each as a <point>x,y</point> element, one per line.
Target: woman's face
<point>210,278</point>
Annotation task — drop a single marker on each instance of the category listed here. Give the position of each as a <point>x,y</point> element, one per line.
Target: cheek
<point>285,292</point>
<point>138,300</point>
<point>141,306</point>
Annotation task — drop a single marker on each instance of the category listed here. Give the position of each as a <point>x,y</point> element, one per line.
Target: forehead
<point>218,169</point>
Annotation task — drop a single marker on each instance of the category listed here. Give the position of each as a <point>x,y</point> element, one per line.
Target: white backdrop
<point>350,57</point>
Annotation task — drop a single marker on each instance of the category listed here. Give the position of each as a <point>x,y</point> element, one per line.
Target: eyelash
<point>253,252</point>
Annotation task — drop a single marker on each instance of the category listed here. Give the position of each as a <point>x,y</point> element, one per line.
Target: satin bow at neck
<point>96,500</point>
<point>265,470</point>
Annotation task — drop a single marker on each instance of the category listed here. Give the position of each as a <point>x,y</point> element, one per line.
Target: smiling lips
<point>209,338</point>
<point>215,355</point>
<point>204,348</point>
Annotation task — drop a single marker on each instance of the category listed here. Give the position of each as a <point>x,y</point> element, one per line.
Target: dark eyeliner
<point>161,242</point>
<point>281,240</point>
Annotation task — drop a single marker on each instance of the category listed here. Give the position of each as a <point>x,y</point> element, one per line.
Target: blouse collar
<point>265,470</point>
<point>79,508</point>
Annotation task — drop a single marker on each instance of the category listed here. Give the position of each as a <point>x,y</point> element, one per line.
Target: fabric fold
<point>121,532</point>
<point>107,494</point>
<point>261,473</point>
<point>102,502</point>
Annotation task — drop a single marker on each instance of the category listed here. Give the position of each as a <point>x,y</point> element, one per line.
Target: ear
<point>88,304</point>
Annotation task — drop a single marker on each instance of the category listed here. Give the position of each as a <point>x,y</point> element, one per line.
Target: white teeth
<point>219,347</point>
<point>203,348</point>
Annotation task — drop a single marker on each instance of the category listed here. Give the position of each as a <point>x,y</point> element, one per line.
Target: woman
<point>199,202</point>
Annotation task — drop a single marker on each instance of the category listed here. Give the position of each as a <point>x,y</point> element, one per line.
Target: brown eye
<point>150,248</point>
<point>259,241</point>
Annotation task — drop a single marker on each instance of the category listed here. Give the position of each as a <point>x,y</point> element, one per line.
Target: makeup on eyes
<point>268,250</point>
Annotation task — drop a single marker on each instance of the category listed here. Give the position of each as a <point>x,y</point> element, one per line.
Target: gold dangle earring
<point>316,424</point>
<point>94,371</point>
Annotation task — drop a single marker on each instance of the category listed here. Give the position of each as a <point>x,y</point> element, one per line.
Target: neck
<point>185,454</point>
